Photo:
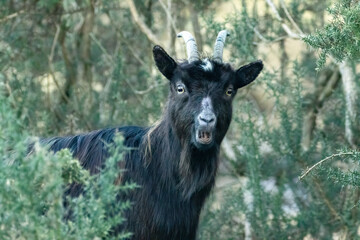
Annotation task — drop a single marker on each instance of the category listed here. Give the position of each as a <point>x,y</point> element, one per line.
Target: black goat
<point>175,161</point>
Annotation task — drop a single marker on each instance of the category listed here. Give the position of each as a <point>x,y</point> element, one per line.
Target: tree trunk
<point>196,26</point>
<point>349,87</point>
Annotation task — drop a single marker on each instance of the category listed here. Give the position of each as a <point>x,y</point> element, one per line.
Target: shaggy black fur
<point>175,172</point>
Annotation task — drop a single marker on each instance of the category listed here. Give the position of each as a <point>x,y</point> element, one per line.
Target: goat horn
<point>191,47</point>
<point>219,45</point>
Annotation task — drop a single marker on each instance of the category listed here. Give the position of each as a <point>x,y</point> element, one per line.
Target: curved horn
<point>191,47</point>
<point>219,45</point>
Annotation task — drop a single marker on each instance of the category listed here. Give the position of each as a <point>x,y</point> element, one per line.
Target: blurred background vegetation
<point>72,66</point>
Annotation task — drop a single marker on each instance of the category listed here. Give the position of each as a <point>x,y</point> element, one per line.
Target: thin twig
<point>346,73</point>
<point>127,44</point>
<point>257,33</point>
<point>51,70</point>
<point>56,37</point>
<point>52,73</point>
<point>131,49</point>
<point>13,15</point>
<point>142,92</point>
<point>169,17</point>
<point>50,59</point>
<point>290,18</point>
<point>98,43</point>
<point>112,61</point>
<point>327,202</point>
<point>323,160</point>
<point>274,10</point>
<point>142,26</point>
<point>290,32</point>
<point>51,66</point>
<point>286,28</point>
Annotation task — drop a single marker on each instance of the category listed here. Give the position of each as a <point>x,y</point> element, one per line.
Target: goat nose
<point>208,119</point>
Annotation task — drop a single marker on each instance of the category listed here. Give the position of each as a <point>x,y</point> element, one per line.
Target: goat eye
<point>229,92</point>
<point>180,89</point>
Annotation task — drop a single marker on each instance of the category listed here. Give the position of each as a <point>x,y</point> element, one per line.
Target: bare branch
<point>127,44</point>
<point>286,28</point>
<point>142,92</point>
<point>143,27</point>
<point>113,62</point>
<point>196,26</point>
<point>290,18</point>
<point>131,49</point>
<point>13,15</point>
<point>327,202</point>
<point>329,88</point>
<point>65,98</point>
<point>348,77</point>
<point>56,37</point>
<point>169,15</point>
<point>257,33</point>
<point>98,43</point>
<point>323,160</point>
<point>290,32</point>
<point>274,10</point>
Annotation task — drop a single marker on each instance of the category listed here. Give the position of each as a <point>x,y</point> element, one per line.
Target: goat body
<point>175,161</point>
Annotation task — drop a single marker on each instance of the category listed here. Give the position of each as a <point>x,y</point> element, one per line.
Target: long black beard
<point>197,169</point>
<point>182,163</point>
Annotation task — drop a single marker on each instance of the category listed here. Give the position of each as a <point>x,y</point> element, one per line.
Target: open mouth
<point>204,137</point>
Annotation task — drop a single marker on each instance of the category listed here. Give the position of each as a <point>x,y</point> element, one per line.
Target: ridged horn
<point>219,45</point>
<point>191,47</point>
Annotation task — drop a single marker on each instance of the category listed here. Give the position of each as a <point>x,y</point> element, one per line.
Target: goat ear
<point>246,74</point>
<point>164,62</point>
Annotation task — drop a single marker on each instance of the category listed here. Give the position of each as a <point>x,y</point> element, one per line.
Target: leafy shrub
<point>32,190</point>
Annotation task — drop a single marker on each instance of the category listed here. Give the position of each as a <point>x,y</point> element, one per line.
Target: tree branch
<point>143,27</point>
<point>285,27</point>
<point>69,66</point>
<point>290,18</point>
<point>348,77</point>
<point>196,26</point>
<point>64,97</point>
<point>112,62</point>
<point>169,15</point>
<point>13,15</point>
<point>274,10</point>
<point>323,160</point>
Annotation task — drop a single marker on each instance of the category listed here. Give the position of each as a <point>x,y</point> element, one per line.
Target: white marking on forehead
<point>206,65</point>
<point>206,103</point>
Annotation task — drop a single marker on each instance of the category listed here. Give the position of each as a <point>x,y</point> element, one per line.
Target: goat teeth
<point>204,136</point>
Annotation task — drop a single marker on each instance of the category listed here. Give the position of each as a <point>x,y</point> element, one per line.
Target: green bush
<point>32,190</point>
<point>273,203</point>
<point>74,66</point>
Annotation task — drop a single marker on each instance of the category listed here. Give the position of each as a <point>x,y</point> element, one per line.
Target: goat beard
<point>185,186</point>
<point>195,173</point>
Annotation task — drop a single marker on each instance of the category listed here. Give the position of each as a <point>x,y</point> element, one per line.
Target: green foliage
<point>273,203</point>
<point>74,66</point>
<point>88,73</point>
<point>270,201</point>
<point>340,38</point>
<point>32,190</point>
